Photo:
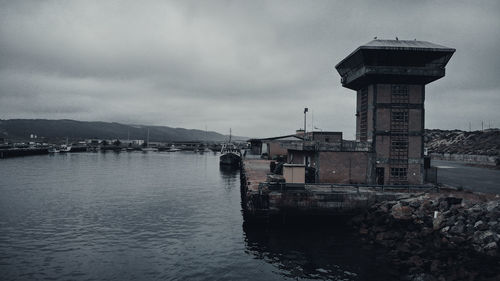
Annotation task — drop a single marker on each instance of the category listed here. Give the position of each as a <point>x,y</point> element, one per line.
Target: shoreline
<point>451,235</point>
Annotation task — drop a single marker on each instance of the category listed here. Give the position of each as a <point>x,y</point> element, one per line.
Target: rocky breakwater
<point>437,236</point>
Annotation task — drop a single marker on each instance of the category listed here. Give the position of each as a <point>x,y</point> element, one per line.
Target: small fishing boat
<point>173,149</point>
<point>64,148</point>
<point>230,154</point>
<point>53,149</point>
<point>148,148</point>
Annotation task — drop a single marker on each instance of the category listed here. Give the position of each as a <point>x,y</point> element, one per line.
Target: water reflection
<point>229,174</point>
<point>314,252</point>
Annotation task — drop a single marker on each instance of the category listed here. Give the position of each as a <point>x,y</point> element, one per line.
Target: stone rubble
<point>485,142</point>
<point>437,237</point>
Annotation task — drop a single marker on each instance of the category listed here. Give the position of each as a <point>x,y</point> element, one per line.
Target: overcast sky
<point>247,65</point>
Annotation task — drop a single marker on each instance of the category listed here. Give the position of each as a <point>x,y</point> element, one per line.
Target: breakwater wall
<point>17,152</point>
<point>437,236</point>
<point>427,235</point>
<point>468,158</point>
<point>266,198</point>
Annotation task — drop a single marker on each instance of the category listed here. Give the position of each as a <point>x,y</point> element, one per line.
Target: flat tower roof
<point>407,44</point>
<point>394,62</point>
<point>401,45</point>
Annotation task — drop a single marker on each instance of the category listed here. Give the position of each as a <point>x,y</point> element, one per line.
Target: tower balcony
<point>394,62</point>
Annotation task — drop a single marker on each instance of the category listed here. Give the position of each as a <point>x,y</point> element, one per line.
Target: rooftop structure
<point>394,61</point>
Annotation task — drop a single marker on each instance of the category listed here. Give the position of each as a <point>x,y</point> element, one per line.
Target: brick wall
<point>344,167</point>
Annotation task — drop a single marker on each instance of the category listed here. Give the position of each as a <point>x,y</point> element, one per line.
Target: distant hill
<point>52,130</point>
<point>485,142</point>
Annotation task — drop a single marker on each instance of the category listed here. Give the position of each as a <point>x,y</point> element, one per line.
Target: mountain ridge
<point>56,129</point>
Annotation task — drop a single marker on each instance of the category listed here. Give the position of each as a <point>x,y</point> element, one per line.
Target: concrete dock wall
<point>264,196</point>
<point>7,153</point>
<point>467,158</point>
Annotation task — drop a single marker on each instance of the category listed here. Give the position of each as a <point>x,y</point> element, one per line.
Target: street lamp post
<point>305,111</point>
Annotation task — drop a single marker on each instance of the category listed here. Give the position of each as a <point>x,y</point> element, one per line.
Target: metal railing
<point>381,188</point>
<point>283,187</point>
<point>326,146</point>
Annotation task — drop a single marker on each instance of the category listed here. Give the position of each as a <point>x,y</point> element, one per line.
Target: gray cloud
<point>249,65</point>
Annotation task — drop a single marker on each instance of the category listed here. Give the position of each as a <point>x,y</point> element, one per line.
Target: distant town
<point>36,146</point>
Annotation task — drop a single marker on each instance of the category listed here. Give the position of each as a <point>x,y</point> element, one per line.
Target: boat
<point>173,149</point>
<point>204,146</point>
<point>148,148</point>
<point>230,154</point>
<point>79,148</point>
<point>53,149</point>
<point>64,148</point>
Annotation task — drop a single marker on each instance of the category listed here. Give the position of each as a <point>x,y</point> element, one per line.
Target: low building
<point>333,162</point>
<point>274,147</point>
<point>324,136</point>
<point>187,145</point>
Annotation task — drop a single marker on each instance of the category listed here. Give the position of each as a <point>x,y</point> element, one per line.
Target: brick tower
<point>389,77</point>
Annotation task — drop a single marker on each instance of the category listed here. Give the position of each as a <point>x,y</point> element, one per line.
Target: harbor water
<point>156,216</point>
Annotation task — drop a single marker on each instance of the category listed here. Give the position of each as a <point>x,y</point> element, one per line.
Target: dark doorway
<point>380,175</point>
<point>310,175</point>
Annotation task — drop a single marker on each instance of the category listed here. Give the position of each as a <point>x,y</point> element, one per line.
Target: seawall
<point>446,236</point>
<point>468,158</point>
<point>266,197</point>
<point>16,152</point>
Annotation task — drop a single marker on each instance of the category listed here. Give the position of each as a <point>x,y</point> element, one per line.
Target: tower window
<point>399,116</point>
<point>398,172</point>
<point>400,144</point>
<point>399,90</point>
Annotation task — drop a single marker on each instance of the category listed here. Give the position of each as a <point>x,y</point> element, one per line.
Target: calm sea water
<point>154,216</point>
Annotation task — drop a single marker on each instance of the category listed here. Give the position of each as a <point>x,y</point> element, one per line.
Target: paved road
<point>472,178</point>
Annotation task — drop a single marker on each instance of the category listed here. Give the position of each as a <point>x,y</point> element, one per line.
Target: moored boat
<point>230,154</point>
<point>53,150</point>
<point>64,148</point>
<point>173,149</point>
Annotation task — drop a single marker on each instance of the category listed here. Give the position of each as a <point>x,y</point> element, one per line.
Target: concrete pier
<point>266,196</point>
<point>17,152</point>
